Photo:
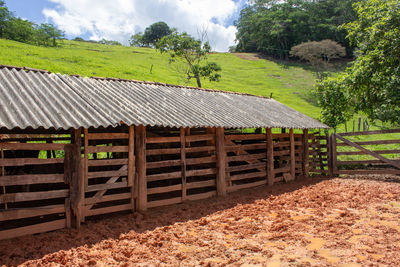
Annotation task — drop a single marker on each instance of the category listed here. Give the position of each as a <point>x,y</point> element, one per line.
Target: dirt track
<point>313,223</point>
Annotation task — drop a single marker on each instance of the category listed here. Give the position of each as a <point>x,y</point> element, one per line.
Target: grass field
<point>289,83</point>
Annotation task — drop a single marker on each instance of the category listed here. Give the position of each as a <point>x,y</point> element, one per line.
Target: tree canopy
<point>21,30</point>
<point>274,27</point>
<point>155,32</point>
<point>371,84</point>
<point>183,47</point>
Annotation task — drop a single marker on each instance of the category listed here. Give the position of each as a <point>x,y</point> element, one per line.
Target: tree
<point>109,42</point>
<point>371,84</point>
<point>5,15</point>
<point>183,47</point>
<point>273,27</point>
<point>137,40</point>
<point>155,32</point>
<point>47,34</point>
<point>318,54</point>
<point>19,30</point>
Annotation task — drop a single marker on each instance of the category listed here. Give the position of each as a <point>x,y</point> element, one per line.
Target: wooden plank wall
<point>91,172</point>
<point>34,189</point>
<point>282,144</point>
<point>181,165</point>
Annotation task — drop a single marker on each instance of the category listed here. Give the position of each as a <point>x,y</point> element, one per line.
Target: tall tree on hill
<point>371,84</point>
<point>184,48</point>
<point>274,27</point>
<point>5,15</point>
<point>155,32</point>
<point>19,30</point>
<point>47,34</point>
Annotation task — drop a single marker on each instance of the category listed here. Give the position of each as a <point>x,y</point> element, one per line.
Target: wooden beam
<point>140,144</point>
<point>183,162</point>
<point>221,161</point>
<point>211,130</point>
<point>86,156</point>
<point>330,156</point>
<point>31,146</point>
<point>270,157</point>
<point>292,155</point>
<point>3,172</point>
<point>187,133</point>
<point>131,164</point>
<point>33,229</point>
<point>306,153</point>
<point>76,190</point>
<point>371,132</point>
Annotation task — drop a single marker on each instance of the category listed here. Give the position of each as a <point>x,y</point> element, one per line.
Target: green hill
<point>289,83</point>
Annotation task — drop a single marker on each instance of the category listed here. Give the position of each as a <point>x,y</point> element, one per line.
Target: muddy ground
<point>304,223</point>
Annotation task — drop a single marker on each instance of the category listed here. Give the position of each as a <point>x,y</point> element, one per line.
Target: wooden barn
<point>74,147</point>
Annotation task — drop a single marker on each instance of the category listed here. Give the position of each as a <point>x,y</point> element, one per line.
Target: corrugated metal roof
<point>30,98</point>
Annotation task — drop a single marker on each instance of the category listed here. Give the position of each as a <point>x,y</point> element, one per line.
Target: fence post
<point>68,169</point>
<point>131,165</point>
<point>329,147</point>
<point>306,153</point>
<point>270,157</point>
<point>75,185</point>
<point>183,162</point>
<point>221,161</point>
<point>292,154</point>
<point>141,201</point>
<point>334,156</point>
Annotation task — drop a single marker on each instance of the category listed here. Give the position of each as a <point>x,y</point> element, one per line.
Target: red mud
<point>303,223</point>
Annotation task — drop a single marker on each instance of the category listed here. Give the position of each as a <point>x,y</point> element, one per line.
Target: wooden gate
<point>246,160</point>
<point>34,183</point>
<point>351,156</point>
<point>109,171</point>
<point>319,154</point>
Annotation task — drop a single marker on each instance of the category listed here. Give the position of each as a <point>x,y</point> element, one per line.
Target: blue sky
<point>118,19</point>
<point>29,9</point>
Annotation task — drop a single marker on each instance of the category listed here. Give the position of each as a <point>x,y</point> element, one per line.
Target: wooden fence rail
<point>369,157</point>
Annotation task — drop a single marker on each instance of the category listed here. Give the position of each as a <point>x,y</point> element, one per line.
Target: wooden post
<point>187,133</point>
<point>270,157</point>
<point>86,157</point>
<point>68,176</point>
<point>3,173</point>
<point>131,165</point>
<point>77,191</point>
<point>292,155</point>
<point>306,153</point>
<point>329,154</point>
<point>141,201</point>
<point>183,162</point>
<point>210,130</point>
<point>335,171</point>
<point>221,161</point>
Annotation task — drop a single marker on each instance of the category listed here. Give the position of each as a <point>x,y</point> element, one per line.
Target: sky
<point>119,19</point>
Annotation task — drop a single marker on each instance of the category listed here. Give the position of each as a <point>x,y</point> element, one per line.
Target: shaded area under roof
<point>32,98</point>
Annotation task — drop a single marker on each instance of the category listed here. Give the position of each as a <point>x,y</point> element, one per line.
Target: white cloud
<point>119,19</point>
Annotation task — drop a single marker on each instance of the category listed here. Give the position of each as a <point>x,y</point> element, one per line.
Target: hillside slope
<point>289,84</point>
